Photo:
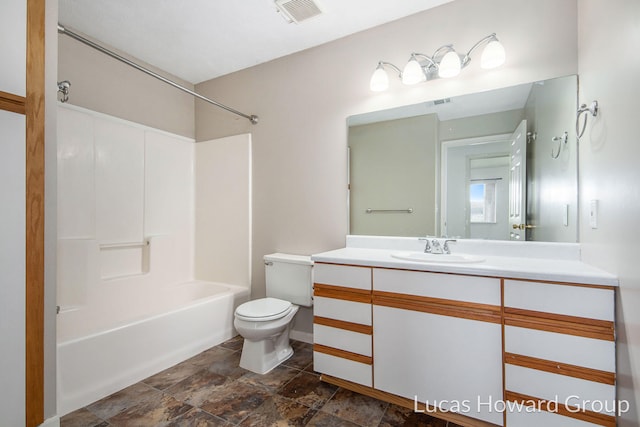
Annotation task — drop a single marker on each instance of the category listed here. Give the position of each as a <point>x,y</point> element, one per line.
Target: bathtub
<point>95,360</point>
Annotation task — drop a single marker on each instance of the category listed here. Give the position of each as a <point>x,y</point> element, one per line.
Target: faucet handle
<point>446,248</point>
<point>427,246</point>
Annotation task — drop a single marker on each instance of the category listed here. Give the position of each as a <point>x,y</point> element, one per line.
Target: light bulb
<point>413,72</point>
<point>450,65</point>
<point>379,80</point>
<point>493,55</point>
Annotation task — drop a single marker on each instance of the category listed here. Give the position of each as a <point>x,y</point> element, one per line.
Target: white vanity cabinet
<point>438,340</point>
<point>342,324</point>
<point>514,341</point>
<point>559,354</point>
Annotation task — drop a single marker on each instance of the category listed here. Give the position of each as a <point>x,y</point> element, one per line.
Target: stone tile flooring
<point>210,389</point>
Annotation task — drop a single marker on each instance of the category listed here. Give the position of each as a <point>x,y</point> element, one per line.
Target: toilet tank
<point>289,277</point>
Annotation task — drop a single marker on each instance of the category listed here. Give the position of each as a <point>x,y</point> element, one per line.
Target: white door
<point>518,182</point>
<point>13,33</point>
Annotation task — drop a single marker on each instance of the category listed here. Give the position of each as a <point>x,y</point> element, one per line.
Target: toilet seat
<point>263,309</point>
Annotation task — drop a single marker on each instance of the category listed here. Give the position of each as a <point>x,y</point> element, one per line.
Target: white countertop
<point>524,266</point>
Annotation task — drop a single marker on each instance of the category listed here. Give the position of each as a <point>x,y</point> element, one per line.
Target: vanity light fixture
<point>380,80</point>
<point>444,63</point>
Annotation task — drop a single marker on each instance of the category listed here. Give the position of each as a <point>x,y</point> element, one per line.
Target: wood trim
<point>445,307</point>
<point>503,351</point>
<point>562,409</point>
<point>566,369</point>
<point>343,354</point>
<point>341,324</point>
<point>35,140</point>
<point>453,417</point>
<point>13,103</point>
<point>560,323</point>
<point>341,292</point>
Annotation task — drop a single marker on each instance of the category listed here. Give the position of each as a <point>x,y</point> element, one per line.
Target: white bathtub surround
<point>223,210</point>
<point>132,301</point>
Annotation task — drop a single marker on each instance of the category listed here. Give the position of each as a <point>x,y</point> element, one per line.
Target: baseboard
<point>301,336</point>
<point>51,422</point>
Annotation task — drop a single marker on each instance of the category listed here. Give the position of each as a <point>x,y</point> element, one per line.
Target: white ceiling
<point>198,40</point>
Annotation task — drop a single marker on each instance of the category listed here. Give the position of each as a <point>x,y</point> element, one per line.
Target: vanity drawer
<point>570,300</point>
<point>342,275</point>
<point>339,309</point>
<point>342,339</point>
<point>569,349</point>
<point>350,370</point>
<point>483,290</point>
<point>565,390</point>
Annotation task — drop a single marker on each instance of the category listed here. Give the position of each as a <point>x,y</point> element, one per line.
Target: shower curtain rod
<point>62,30</point>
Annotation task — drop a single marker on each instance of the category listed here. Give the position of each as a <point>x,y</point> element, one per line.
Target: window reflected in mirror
<point>482,202</point>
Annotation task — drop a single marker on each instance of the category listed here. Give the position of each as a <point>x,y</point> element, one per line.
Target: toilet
<point>264,323</point>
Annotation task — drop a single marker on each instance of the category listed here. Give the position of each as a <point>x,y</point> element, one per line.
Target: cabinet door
<point>452,363</point>
<point>438,339</point>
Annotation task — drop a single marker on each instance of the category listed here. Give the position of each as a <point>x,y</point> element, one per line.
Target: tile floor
<point>210,389</point>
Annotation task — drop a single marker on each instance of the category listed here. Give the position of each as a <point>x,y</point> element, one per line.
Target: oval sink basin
<point>426,257</point>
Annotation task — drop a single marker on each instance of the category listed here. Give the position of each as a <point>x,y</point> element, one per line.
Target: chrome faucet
<point>427,246</point>
<point>446,248</point>
<point>436,247</point>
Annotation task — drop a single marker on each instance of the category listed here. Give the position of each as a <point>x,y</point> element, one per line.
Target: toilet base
<point>263,356</point>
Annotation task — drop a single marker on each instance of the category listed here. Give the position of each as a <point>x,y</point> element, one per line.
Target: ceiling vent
<point>442,101</point>
<point>298,10</point>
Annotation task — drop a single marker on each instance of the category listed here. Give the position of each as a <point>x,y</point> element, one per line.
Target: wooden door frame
<point>33,108</point>
<point>35,186</point>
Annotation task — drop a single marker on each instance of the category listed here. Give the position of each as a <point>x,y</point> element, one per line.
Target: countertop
<point>516,267</point>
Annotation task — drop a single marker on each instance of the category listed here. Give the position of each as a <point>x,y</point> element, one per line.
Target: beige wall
<point>101,83</point>
<point>303,100</point>
<point>609,34</point>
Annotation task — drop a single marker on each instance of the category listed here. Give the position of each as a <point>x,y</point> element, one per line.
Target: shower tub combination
<point>181,321</point>
<point>129,197</point>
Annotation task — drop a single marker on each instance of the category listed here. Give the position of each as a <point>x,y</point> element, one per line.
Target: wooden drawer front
<point>345,369</point>
<point>348,311</point>
<point>569,349</point>
<point>342,339</point>
<point>483,290</point>
<point>526,418</point>
<point>589,395</point>
<point>342,275</point>
<point>591,303</point>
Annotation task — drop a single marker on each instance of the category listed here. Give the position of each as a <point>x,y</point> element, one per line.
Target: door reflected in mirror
<point>490,165</point>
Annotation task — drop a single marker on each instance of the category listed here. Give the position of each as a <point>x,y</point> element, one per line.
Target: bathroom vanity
<point>521,335</point>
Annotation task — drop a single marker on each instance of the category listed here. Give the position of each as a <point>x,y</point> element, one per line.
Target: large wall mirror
<point>500,164</point>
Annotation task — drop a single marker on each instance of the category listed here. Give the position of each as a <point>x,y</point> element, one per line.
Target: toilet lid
<point>264,309</point>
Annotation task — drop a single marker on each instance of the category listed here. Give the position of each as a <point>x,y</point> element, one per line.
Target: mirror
<point>500,164</point>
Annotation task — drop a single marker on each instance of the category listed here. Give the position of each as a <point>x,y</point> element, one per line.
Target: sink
<point>427,257</point>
